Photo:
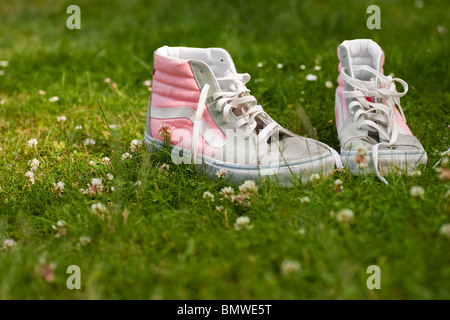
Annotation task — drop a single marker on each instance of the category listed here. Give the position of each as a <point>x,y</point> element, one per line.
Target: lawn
<point>147,232</point>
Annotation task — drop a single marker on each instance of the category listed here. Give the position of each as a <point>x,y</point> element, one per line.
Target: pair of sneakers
<point>201,108</point>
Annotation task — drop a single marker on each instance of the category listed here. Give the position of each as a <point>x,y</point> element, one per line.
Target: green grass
<point>174,244</point>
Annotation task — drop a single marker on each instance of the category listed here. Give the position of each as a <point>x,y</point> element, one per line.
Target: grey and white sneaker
<point>202,108</point>
<point>373,133</point>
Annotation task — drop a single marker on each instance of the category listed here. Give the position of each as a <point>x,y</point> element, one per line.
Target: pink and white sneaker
<point>372,132</point>
<point>201,107</point>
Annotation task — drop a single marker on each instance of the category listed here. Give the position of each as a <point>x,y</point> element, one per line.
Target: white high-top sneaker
<point>373,134</point>
<point>201,106</point>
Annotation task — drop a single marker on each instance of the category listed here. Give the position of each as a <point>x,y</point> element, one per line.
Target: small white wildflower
<point>109,176</point>
<point>4,63</point>
<point>138,183</point>
<point>91,163</point>
<point>78,127</point>
<point>445,230</point>
<point>126,156</point>
<point>135,145</point>
<point>242,223</point>
<point>2,101</point>
<point>61,119</point>
<point>53,99</point>
<point>30,176</point>
<point>147,83</point>
<point>112,189</point>
<point>58,187</point>
<point>221,173</point>
<point>345,215</point>
<point>89,142</point>
<point>32,143</point>
<point>84,241</point>
<point>249,187</point>
<point>208,196</point>
<point>34,164</point>
<point>305,199</point>
<point>105,161</point>
<point>9,243</point>
<point>220,209</point>
<point>415,173</point>
<point>279,66</point>
<point>260,64</point>
<point>317,68</point>
<point>226,192</point>
<point>107,80</point>
<point>303,67</point>
<point>418,4</point>
<point>441,30</point>
<point>2,72</point>
<point>417,192</point>
<point>290,266</point>
<point>42,92</point>
<point>302,231</point>
<point>96,181</point>
<point>314,177</point>
<point>311,77</point>
<point>60,228</point>
<point>329,84</point>
<point>98,208</point>
<point>164,167</point>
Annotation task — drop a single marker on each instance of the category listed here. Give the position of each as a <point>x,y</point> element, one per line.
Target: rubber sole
<point>284,174</point>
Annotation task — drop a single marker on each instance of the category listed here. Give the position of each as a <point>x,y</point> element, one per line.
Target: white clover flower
<point>58,187</point>
<point>260,65</point>
<point>242,223</point>
<point>53,99</point>
<point>302,231</point>
<point>303,67</point>
<point>32,143</point>
<point>138,183</point>
<point>208,196</point>
<point>4,63</point>
<point>96,181</point>
<point>445,230</point>
<point>329,84</point>
<point>126,156</point>
<point>42,92</point>
<point>2,101</point>
<point>164,167</point>
<point>220,209</point>
<point>417,192</point>
<point>91,163</point>
<point>317,68</point>
<point>89,142</point>
<point>311,77</point>
<point>226,192</point>
<point>105,161</point>
<point>135,145</point>
<point>112,189</point>
<point>280,65</point>
<point>345,215</point>
<point>84,191</point>
<point>221,173</point>
<point>249,187</point>
<point>305,199</point>
<point>415,173</point>
<point>78,127</point>
<point>147,83</point>
<point>9,243</point>
<point>34,164</point>
<point>98,208</point>
<point>30,176</point>
<point>107,80</point>
<point>290,266</point>
<point>84,241</point>
<point>61,119</point>
<point>314,177</point>
<point>109,176</point>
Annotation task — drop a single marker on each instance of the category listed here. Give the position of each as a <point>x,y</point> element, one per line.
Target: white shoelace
<point>378,117</point>
<point>227,101</point>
